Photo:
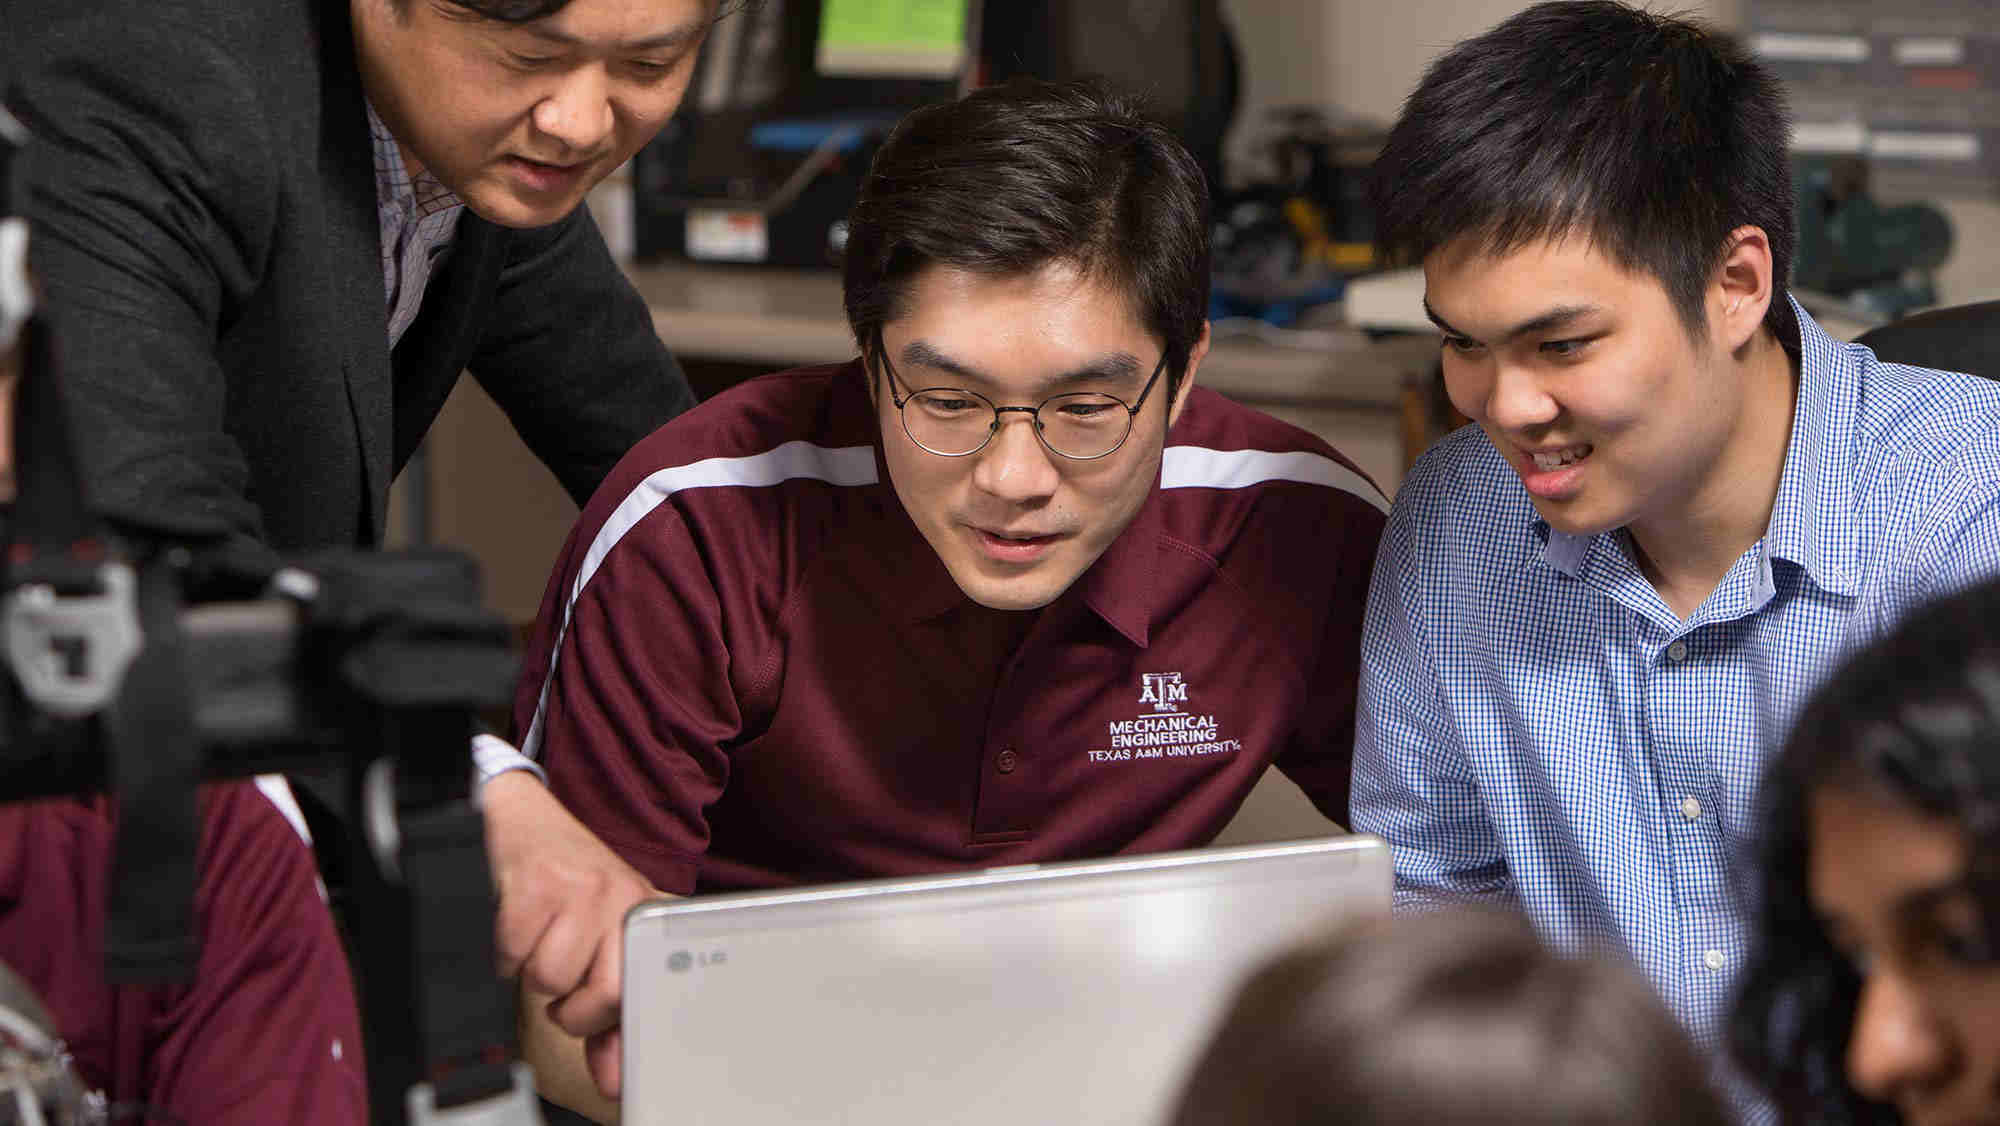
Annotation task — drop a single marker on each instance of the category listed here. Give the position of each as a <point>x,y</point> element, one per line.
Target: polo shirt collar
<point>1812,520</point>
<point>914,580</point>
<point>1119,586</point>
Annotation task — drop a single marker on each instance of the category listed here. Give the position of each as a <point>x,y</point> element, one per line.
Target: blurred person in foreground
<point>1459,1018</point>
<point>1872,992</point>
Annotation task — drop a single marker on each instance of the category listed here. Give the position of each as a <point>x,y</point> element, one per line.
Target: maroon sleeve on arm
<point>629,693</point>
<point>1320,756</point>
<point>269,1031</point>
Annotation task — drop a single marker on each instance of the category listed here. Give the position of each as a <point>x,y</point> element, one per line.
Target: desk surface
<point>790,317</point>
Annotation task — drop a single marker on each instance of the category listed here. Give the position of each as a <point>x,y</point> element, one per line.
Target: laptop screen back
<point>1076,992</point>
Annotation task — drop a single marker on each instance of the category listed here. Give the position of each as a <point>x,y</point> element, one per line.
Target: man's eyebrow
<point>1112,367</point>
<point>1540,322</point>
<point>678,37</point>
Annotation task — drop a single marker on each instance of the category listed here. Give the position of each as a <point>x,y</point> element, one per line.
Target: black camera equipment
<point>140,664</point>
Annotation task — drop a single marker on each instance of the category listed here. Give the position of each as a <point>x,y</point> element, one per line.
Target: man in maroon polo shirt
<point>266,1033</point>
<point>1008,589</point>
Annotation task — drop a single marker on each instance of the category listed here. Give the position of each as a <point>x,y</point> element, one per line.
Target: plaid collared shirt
<point>1536,725</point>
<point>419,216</point>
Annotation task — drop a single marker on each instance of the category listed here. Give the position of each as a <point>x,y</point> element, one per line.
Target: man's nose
<point>1898,1043</point>
<point>1517,400</point>
<point>578,112</point>
<point>1499,394</point>
<point>1015,466</point>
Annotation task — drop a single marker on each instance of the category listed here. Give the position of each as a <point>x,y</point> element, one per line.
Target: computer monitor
<point>894,39</point>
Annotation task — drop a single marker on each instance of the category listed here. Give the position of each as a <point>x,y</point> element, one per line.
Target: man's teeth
<point>1561,457</point>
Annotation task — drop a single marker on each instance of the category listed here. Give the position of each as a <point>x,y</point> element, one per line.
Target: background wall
<point>1365,55</point>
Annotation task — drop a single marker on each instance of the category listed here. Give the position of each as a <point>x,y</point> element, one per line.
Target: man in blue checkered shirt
<point>1595,611</point>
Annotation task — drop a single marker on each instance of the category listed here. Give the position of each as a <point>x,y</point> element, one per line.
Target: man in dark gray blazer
<point>272,233</point>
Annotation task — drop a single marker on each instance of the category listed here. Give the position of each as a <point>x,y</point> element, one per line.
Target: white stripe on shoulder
<point>836,465</point>
<point>280,792</point>
<point>1198,467</point>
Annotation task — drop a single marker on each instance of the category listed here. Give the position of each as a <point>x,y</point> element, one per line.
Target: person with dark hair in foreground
<point>1872,990</point>
<point>1595,612</point>
<point>272,234</point>
<point>1008,588</point>
<point>1459,1018</point>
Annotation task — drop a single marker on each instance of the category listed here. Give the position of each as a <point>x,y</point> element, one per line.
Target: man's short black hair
<point>1652,136</point>
<point>1014,177</point>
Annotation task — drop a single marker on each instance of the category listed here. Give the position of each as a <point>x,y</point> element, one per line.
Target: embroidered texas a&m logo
<point>1164,730</point>
<point>1166,691</point>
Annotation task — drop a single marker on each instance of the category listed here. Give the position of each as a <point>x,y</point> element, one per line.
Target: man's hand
<point>563,897</point>
<point>563,1073</point>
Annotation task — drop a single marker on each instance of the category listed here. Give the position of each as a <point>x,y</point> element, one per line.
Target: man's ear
<point>1742,289</point>
<point>1195,355</point>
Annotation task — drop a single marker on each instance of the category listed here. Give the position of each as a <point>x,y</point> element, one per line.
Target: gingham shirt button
<point>1691,807</point>
<point>1677,652</point>
<point>1714,960</point>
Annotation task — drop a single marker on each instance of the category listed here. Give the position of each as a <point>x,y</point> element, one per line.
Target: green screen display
<point>892,38</point>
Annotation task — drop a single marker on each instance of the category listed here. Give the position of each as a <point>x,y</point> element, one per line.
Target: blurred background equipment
<point>1289,241</point>
<point>1880,259</point>
<point>790,97</point>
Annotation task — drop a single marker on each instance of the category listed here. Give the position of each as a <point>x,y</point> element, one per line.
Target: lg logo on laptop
<point>681,961</point>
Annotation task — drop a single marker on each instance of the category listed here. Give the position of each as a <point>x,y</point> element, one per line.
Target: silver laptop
<point>1074,992</point>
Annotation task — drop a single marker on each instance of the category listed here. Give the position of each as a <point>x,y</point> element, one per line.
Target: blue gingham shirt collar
<point>1812,520</point>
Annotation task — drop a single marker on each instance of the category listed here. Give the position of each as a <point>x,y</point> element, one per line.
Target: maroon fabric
<point>779,682</point>
<point>267,1033</point>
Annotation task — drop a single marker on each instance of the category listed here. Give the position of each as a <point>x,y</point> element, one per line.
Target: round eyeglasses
<point>955,422</point>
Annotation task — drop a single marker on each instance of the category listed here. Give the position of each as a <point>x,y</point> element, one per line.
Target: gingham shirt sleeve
<point>1412,782</point>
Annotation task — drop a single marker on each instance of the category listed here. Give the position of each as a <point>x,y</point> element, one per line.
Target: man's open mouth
<point>1546,460</point>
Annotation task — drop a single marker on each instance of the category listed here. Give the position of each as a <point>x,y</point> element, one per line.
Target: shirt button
<point>1714,960</point>
<point>1677,652</point>
<point>1007,760</point>
<point>1691,808</point>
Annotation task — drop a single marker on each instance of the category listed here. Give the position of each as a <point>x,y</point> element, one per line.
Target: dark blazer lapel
<point>438,344</point>
<point>354,251</point>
